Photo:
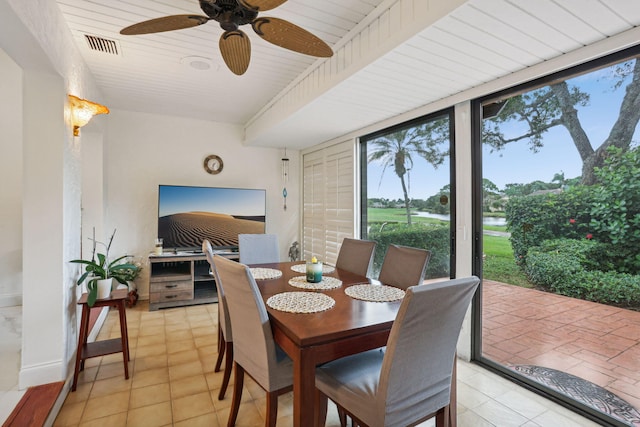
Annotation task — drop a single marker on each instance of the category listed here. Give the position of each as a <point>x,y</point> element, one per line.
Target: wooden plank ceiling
<point>461,45</point>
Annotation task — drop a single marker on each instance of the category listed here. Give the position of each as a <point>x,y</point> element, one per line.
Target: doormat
<point>583,391</point>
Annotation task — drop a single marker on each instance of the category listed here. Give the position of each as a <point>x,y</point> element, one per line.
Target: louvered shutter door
<point>328,200</point>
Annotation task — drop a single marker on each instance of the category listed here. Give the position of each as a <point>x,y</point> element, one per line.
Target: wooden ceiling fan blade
<point>166,23</point>
<point>261,5</point>
<point>289,36</point>
<point>235,48</point>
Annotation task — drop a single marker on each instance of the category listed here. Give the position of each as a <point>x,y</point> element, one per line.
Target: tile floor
<point>596,342</point>
<point>172,383</point>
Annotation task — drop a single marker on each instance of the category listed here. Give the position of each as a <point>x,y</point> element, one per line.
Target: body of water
<point>487,220</point>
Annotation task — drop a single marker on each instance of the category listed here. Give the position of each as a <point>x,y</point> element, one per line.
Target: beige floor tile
<point>152,341</point>
<point>151,331</point>
<point>110,370</point>
<point>163,366</point>
<point>103,406</point>
<point>158,415</point>
<point>248,415</point>
<point>205,341</point>
<point>150,377</point>
<point>109,386</point>
<point>185,370</point>
<point>151,362</point>
<point>70,414</point>
<point>192,406</point>
<point>178,335</point>
<point>88,375</point>
<point>80,395</point>
<point>499,414</point>
<point>150,395</point>
<point>204,330</point>
<point>184,356</point>
<point>188,386</point>
<point>226,402</point>
<point>206,420</point>
<point>108,421</point>
<point>151,350</point>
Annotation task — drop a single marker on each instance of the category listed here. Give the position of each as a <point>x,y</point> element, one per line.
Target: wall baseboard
<point>10,300</point>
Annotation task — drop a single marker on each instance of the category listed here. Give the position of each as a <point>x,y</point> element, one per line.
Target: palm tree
<point>398,149</point>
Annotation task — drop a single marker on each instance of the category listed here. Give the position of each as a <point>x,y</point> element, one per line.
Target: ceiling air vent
<point>102,45</point>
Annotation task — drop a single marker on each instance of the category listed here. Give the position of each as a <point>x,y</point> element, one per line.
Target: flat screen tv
<point>188,215</point>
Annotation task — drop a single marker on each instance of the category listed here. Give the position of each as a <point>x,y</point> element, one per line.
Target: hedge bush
<point>533,219</point>
<point>571,268</point>
<point>432,237</point>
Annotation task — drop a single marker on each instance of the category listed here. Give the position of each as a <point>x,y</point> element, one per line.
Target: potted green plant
<point>99,272</point>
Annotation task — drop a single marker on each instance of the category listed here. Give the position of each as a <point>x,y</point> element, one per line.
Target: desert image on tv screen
<point>188,215</point>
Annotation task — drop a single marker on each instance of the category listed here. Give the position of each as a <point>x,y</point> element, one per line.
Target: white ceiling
<point>439,48</point>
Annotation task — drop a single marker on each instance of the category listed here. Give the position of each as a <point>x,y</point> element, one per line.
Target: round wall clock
<point>213,164</point>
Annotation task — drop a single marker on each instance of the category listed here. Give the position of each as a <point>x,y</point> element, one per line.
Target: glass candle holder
<point>314,272</point>
<point>158,246</point>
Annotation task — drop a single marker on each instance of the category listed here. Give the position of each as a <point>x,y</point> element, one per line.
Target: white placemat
<point>302,268</point>
<point>300,302</point>
<point>260,273</point>
<point>375,293</point>
<point>326,283</point>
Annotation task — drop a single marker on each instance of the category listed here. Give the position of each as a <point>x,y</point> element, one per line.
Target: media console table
<point>182,278</point>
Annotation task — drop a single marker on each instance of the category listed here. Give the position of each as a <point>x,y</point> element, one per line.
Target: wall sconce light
<point>82,111</point>
<point>285,177</point>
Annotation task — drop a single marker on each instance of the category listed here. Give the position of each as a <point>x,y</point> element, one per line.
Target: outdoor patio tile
<point>629,359</point>
<point>631,332</point>
<point>586,372</point>
<point>510,346</point>
<point>555,360</point>
<point>627,374</point>
<point>627,391</point>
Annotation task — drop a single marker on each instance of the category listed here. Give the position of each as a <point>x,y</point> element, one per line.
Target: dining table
<point>348,327</point>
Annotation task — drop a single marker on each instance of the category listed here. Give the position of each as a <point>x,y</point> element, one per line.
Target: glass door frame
<point>477,232</point>
<point>448,112</point>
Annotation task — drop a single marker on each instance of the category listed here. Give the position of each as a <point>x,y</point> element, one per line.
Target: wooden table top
<point>349,317</point>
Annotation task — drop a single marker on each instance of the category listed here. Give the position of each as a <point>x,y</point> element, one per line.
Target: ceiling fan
<point>235,46</point>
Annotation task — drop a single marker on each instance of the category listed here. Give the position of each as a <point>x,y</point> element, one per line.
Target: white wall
<point>35,37</point>
<point>11,179</point>
<point>145,150</point>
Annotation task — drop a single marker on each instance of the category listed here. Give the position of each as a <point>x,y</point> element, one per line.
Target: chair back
<point>356,256</point>
<point>223,318</point>
<point>415,378</point>
<point>258,248</point>
<point>253,345</point>
<point>404,266</point>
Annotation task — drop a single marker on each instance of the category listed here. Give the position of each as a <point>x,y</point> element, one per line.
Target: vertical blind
<point>329,204</point>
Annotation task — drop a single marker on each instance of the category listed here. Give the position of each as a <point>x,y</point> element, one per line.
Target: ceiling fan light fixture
<point>199,63</point>
<point>234,44</point>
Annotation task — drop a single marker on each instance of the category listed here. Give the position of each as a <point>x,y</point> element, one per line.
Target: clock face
<point>213,164</point>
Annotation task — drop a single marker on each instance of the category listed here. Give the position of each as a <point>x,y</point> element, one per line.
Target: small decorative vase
<point>314,272</point>
<point>104,288</point>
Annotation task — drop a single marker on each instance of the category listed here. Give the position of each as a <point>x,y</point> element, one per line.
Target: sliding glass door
<point>559,176</point>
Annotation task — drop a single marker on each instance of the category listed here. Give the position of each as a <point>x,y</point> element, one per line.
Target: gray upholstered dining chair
<point>356,256</point>
<point>410,381</point>
<point>258,248</point>
<point>225,338</point>
<point>255,352</point>
<point>404,266</point>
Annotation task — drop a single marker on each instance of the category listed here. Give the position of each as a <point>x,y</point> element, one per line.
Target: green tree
<point>555,105</point>
<point>399,150</point>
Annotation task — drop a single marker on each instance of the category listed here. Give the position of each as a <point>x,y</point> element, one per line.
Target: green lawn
<point>499,264</point>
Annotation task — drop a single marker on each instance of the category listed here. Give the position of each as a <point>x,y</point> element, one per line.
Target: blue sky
<point>232,201</point>
<point>516,163</point>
